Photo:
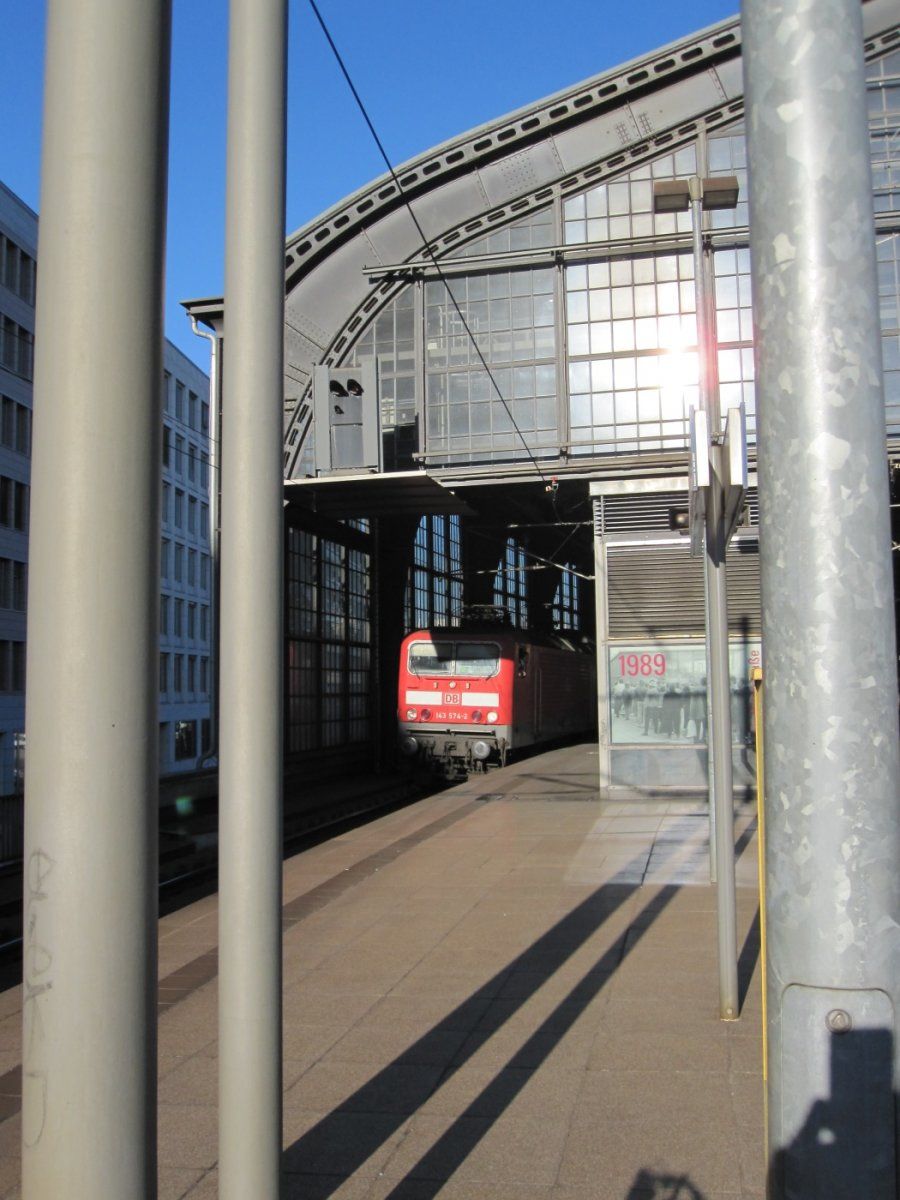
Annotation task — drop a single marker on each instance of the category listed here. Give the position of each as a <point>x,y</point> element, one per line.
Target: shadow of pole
<point>536,966</point>
<point>538,963</point>
<point>650,1186</point>
<point>747,960</point>
<point>847,1146</point>
<point>455,1145</point>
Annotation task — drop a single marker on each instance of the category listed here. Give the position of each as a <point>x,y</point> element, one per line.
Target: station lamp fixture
<point>675,195</point>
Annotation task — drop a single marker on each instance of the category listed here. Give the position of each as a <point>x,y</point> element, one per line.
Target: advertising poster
<point>657,693</point>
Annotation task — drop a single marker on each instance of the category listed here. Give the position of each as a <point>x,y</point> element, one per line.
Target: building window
<point>192,621</point>
<point>434,589</point>
<point>20,586</point>
<point>185,739</point>
<point>631,321</point>
<point>163,673</point>
<point>17,269</point>
<point>192,515</point>
<point>179,401</point>
<point>179,563</point>
<point>178,682</point>
<point>13,503</point>
<point>164,558</point>
<point>13,584</point>
<point>23,429</point>
<point>510,586</point>
<point>328,628</point>
<point>166,443</point>
<point>192,673</point>
<point>178,614</point>
<point>16,348</point>
<point>512,412</point>
<point>12,666</point>
<point>192,568</point>
<point>565,602</point>
<point>164,615</point>
<point>15,426</point>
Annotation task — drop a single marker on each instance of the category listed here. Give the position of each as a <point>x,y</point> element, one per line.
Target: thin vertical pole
<point>89,958</point>
<point>601,618</point>
<point>832,768</point>
<point>250,754</point>
<point>718,682</point>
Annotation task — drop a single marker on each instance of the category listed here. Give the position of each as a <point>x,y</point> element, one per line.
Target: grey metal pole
<point>832,760</point>
<point>89,958</point>
<point>718,681</point>
<point>250,753</point>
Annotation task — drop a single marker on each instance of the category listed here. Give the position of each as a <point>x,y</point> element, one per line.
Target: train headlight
<point>480,750</point>
<point>477,715</point>
<point>411,714</point>
<point>425,714</point>
<point>409,746</point>
<point>492,717</point>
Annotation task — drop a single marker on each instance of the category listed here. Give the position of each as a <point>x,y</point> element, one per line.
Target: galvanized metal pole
<point>718,681</point>
<point>89,958</point>
<point>832,768</point>
<point>250,752</point>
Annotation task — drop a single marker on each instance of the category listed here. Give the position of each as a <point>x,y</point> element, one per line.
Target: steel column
<point>89,959</point>
<point>250,752</point>
<point>832,768</point>
<point>719,679</point>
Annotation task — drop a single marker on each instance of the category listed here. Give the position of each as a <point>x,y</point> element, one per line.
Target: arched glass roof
<point>538,217</point>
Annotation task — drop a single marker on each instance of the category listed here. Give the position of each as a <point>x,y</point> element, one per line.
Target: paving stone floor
<point>507,991</point>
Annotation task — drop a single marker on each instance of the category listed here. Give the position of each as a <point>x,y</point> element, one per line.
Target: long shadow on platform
<point>649,1185</point>
<point>536,965</point>
<point>747,960</point>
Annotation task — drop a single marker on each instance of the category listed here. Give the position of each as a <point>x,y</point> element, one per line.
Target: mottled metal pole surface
<point>250,723</point>
<point>92,793</point>
<point>832,764</point>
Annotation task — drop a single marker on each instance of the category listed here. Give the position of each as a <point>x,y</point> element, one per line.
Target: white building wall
<point>18,251</point>
<point>185,567</point>
<point>186,572</point>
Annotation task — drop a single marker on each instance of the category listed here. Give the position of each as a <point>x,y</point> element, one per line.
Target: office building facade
<point>185,677</point>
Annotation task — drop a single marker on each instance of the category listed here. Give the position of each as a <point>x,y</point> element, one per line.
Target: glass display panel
<point>657,692</point>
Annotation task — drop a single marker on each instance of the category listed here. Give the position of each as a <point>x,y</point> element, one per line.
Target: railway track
<point>189,843</point>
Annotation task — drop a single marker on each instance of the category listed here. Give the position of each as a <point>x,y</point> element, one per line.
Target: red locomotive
<point>468,697</point>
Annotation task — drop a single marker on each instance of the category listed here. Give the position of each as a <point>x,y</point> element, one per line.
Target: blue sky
<point>426,72</point>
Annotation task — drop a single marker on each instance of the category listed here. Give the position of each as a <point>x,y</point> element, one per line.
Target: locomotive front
<point>455,700</point>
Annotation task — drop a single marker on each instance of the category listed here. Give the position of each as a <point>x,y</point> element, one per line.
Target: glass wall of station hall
<point>584,311</point>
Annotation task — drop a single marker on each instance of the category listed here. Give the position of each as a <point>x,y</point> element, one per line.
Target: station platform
<point>505,991</point>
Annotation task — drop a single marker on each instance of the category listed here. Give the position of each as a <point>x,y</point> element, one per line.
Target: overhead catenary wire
<point>539,559</point>
<point>551,488</point>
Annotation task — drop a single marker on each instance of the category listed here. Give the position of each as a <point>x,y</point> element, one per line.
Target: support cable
<point>550,484</point>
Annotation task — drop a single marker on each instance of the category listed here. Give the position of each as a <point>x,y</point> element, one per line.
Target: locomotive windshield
<point>454,658</point>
